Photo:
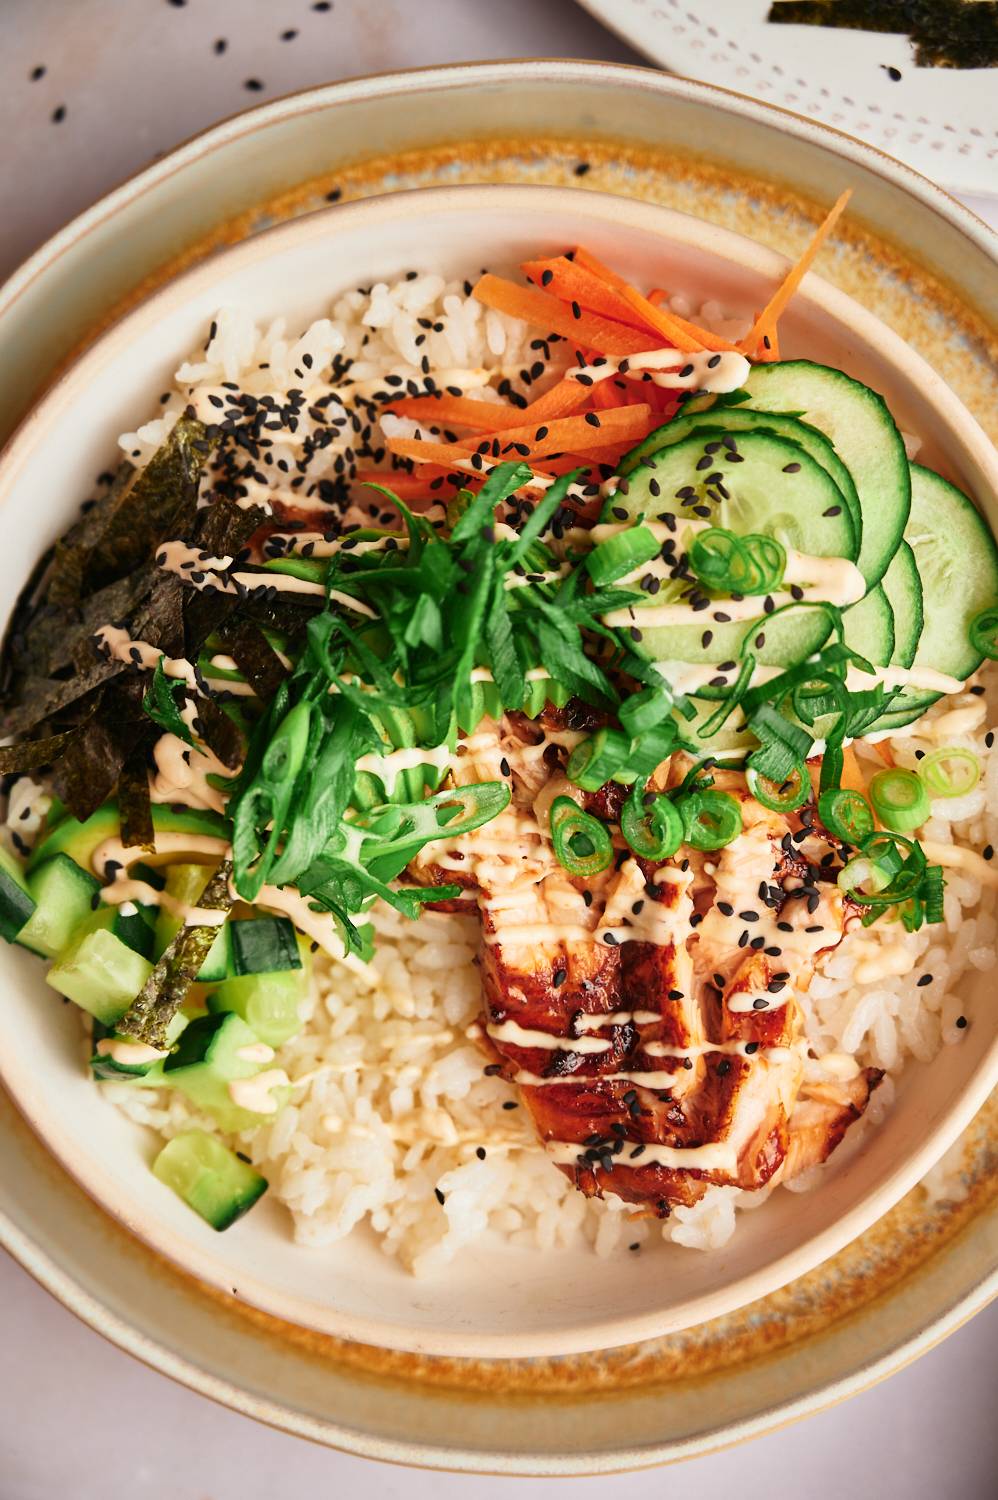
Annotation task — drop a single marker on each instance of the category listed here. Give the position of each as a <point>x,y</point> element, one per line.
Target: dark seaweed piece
<point>164,992</point>
<point>43,698</point>
<point>220,733</point>
<point>158,504</point>
<point>87,772</point>
<point>255,657</point>
<point>65,584</point>
<point>224,528</point>
<point>30,754</point>
<point>134,802</point>
<point>944,33</point>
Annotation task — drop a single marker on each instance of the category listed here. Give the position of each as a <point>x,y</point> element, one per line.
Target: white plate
<point>495,1301</point>
<point>941,121</point>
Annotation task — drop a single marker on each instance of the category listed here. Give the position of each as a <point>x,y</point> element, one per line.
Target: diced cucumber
<point>218,961</point>
<point>64,895</point>
<point>729,420</point>
<point>268,1003</point>
<point>262,945</point>
<point>136,927</point>
<point>773,487</point>
<point>99,972</point>
<point>209,1177</point>
<point>126,1063</point>
<point>214,1051</point>
<point>865,437</point>
<point>17,905</point>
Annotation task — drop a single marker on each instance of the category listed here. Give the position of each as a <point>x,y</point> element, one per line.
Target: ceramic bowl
<point>495,1301</point>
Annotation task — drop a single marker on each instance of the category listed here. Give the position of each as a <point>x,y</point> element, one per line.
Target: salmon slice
<point>649,1016</point>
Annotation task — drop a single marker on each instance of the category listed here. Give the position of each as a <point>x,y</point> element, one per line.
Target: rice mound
<point>394,1121</point>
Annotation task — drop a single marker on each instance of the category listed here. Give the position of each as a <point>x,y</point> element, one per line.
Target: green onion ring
<point>984,633</point>
<point>899,799</point>
<point>846,814</point>
<point>941,776</point>
<point>780,796</point>
<point>582,844</point>
<point>711,819</point>
<point>653,830</point>
<point>597,760</point>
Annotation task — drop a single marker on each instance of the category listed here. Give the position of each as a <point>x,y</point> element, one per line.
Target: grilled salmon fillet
<point>649,1016</point>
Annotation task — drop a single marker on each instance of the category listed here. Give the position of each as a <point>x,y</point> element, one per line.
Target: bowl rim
<point>477,199</point>
<point>409,81</point>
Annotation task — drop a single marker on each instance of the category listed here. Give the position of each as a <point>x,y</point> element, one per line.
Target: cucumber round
<point>774,487</point>
<point>868,627</point>
<point>865,436</point>
<point>957,563</point>
<point>903,588</point>
<point>735,419</point>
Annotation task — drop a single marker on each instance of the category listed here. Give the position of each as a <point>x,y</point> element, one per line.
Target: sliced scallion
<point>651,824</point>
<point>582,844</point>
<point>984,632</point>
<point>899,799</point>
<point>846,814</point>
<point>644,710</point>
<point>780,796</point>
<point>621,554</point>
<point>950,772</point>
<point>599,759</point>
<point>711,819</point>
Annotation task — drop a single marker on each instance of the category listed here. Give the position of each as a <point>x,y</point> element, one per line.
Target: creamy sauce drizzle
<point>185,562</point>
<point>717,1156</point>
<point>673,369</point>
<point>128,1054</point>
<point>118,644</point>
<point>255,1094</point>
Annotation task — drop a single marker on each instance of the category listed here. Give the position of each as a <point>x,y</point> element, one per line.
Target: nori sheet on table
<point>944,33</point>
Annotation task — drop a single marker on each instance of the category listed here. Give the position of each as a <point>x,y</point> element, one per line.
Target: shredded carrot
<point>574,283</point>
<point>883,749</point>
<point>560,401</point>
<point>766,322</point>
<point>588,261</point>
<point>458,411</point>
<point>696,338</point>
<point>444,455</point>
<point>407,486</point>
<point>554,316</point>
<point>624,424</point>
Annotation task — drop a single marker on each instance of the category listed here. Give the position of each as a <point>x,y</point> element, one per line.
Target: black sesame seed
<point>510,1104</point>
<point>439,1196</point>
<point>988,851</point>
<point>220,46</point>
<point>923,980</point>
<point>791,468</point>
<point>582,169</point>
<point>289,35</point>
<point>58,114</point>
<point>894,74</point>
<point>37,72</point>
<point>255,85</point>
<point>961,1022</point>
<point>751,1047</point>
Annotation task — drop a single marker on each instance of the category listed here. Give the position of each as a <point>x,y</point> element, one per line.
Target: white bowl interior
<point>494,1300</point>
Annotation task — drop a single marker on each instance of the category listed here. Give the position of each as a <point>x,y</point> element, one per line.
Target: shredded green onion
<point>951,772</point>
<point>582,844</point>
<point>780,796</point>
<point>984,632</point>
<point>651,824</point>
<point>846,814</point>
<point>650,749</point>
<point>644,710</point>
<point>731,564</point>
<point>899,799</point>
<point>711,819</point>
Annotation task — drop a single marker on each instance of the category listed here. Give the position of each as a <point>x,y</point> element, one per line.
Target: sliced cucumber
<point>957,563</point>
<point>209,1177</point>
<point>903,588</point>
<point>107,1066</point>
<point>264,945</point>
<point>865,437</point>
<point>868,627</point>
<point>268,1003</point>
<point>729,420</point>
<point>17,905</point>
<point>99,972</point>
<point>773,487</point>
<point>64,895</point>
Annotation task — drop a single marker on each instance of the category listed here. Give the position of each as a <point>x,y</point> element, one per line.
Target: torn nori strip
<point>220,733</point>
<point>72,551</point>
<point>944,33</point>
<point>224,528</point>
<point>164,992</point>
<point>255,657</point>
<point>30,754</point>
<point>134,802</point>
<point>159,504</point>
